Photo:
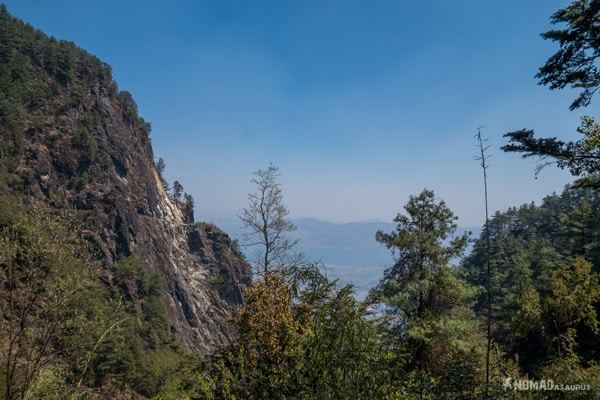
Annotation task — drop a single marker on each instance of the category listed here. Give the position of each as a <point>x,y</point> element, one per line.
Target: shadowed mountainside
<point>71,138</point>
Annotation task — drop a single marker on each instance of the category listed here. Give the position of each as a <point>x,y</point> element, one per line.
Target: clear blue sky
<point>360,103</point>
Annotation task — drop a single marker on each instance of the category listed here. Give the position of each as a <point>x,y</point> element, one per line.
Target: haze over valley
<point>348,251</point>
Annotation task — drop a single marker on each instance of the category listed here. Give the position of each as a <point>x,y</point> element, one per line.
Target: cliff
<point>68,136</point>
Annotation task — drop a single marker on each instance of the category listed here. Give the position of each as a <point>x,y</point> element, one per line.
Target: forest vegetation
<point>70,331</point>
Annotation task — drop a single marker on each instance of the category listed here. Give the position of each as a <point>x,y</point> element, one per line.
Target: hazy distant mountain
<point>348,250</point>
<point>351,244</point>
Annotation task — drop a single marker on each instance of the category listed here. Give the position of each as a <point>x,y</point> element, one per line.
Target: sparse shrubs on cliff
<point>160,167</point>
<point>40,75</point>
<point>88,146</point>
<point>177,190</point>
<point>144,350</point>
<point>128,103</point>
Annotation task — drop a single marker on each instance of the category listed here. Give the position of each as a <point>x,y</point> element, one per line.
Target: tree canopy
<point>575,63</point>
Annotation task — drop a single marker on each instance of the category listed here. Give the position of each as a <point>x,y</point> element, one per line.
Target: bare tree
<point>266,221</point>
<point>483,158</point>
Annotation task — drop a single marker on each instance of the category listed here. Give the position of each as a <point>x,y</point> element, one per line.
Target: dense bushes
<point>418,336</point>
<point>299,334</point>
<point>64,327</point>
<point>52,305</point>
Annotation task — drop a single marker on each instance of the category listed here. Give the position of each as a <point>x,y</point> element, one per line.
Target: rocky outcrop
<point>82,146</point>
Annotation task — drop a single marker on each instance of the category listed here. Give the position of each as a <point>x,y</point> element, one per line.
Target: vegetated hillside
<point>104,276</point>
<point>545,264</point>
<point>70,138</point>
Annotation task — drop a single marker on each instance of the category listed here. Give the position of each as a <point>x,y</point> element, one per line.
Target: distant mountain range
<point>348,251</point>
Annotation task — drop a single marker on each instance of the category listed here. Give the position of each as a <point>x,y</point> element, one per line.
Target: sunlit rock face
<point>83,147</point>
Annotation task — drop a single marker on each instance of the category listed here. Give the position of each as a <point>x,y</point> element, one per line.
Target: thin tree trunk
<point>484,166</point>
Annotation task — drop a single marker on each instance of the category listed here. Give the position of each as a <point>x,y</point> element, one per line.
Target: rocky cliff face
<point>70,137</point>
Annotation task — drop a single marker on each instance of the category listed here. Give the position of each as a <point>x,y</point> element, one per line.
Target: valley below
<point>347,252</point>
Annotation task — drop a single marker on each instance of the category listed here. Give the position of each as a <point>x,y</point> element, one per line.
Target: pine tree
<point>425,303</point>
<point>177,190</point>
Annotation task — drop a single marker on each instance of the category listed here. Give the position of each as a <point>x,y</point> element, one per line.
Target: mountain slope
<point>69,137</point>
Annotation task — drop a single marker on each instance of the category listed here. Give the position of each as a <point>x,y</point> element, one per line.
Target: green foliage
<point>143,352</point>
<point>52,383</point>
<point>299,336</point>
<point>54,307</point>
<point>344,357</point>
<point>409,288</point>
<point>41,77</point>
<point>575,63</point>
<point>86,142</point>
<point>302,337</point>
<point>128,103</point>
<point>189,201</point>
<point>27,57</point>
<point>425,304</point>
<point>144,290</point>
<point>573,300</point>
<point>177,189</point>
<point>545,268</point>
<point>92,335</point>
<point>581,158</point>
<point>160,167</point>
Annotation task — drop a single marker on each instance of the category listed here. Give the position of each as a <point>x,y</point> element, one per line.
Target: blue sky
<point>360,103</point>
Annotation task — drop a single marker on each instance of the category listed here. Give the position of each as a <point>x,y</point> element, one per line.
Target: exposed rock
<point>85,148</point>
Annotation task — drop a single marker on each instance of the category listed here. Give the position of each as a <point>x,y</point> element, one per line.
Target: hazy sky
<point>360,103</point>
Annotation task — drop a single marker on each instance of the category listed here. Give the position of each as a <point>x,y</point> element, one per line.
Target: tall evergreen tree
<point>425,304</point>
<point>417,245</point>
